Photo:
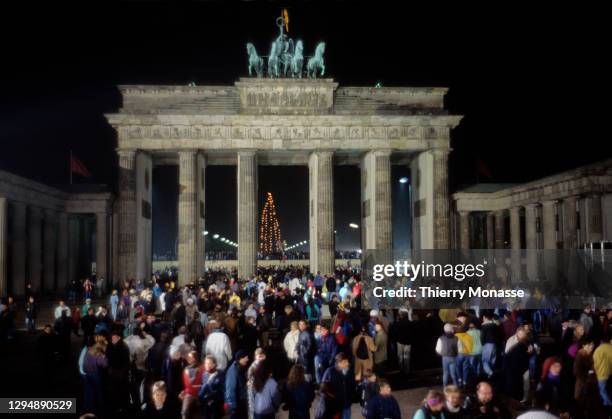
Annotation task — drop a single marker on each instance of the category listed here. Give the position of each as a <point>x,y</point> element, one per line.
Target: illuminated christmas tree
<point>269,230</point>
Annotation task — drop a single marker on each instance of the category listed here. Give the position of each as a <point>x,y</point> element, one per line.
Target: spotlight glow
<point>403,180</point>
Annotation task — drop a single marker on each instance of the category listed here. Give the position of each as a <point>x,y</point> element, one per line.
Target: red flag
<point>77,166</point>
<point>483,169</point>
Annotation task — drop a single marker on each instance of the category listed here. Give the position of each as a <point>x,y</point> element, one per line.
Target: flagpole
<point>70,167</point>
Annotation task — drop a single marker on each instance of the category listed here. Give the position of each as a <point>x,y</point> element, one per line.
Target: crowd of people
<point>289,340</point>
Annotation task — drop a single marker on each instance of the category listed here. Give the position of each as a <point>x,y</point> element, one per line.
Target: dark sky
<point>520,75</point>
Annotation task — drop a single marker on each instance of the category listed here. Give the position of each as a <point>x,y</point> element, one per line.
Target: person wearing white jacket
<point>139,344</point>
<point>290,342</point>
<point>219,346</point>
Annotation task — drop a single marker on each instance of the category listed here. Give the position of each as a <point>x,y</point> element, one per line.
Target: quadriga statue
<point>297,61</point>
<point>255,61</point>
<point>316,62</point>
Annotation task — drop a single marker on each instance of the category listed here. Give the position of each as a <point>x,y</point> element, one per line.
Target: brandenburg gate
<point>279,121</point>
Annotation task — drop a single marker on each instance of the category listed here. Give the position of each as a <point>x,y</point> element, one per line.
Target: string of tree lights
<point>269,230</point>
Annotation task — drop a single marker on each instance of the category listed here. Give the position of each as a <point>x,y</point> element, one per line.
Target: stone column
<point>102,246</point>
<point>127,215</point>
<point>464,230</point>
<point>376,201</point>
<point>499,229</point>
<point>62,251</point>
<point>570,223</point>
<point>19,251</point>
<point>440,204</point>
<point>515,228</point>
<point>247,213</point>
<point>515,241</point>
<point>74,227</point>
<point>322,243</point>
<point>201,216</point>
<point>3,246</point>
<point>531,240</point>
<point>187,213</point>
<point>35,248</point>
<point>490,230</point>
<point>593,219</point>
<point>549,224</point>
<point>49,251</point>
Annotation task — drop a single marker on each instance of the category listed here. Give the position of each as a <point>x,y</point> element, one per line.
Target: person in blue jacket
<point>236,386</point>
<point>383,405</point>
<point>212,390</point>
<point>326,352</point>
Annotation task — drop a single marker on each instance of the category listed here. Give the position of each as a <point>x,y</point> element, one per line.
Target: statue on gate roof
<point>286,57</point>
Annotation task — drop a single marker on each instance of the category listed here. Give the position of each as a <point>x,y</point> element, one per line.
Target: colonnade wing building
<point>279,122</point>
<point>49,236</point>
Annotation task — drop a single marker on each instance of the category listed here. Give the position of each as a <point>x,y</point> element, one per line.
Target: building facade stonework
<point>314,123</point>
<point>37,245</point>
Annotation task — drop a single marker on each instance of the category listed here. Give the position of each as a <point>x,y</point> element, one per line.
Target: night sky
<point>520,76</point>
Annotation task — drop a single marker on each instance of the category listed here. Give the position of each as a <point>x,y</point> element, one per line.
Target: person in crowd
<point>550,388</point>
<point>453,406</point>
<point>490,336</point>
<point>114,303</point>
<point>383,405</point>
<point>380,354</point>
<point>94,362</point>
<point>363,353</point>
<point>325,354</point>
<point>432,406</point>
<point>218,345</point>
<point>484,405</point>
<point>299,393</point>
<point>267,397</point>
<point>118,356</point>
<point>447,347</point>
<point>402,332</point>
<point>602,362</point>
<point>366,390</point>
<point>211,393</point>
<point>47,347</point>
<point>337,388</point>
<point>192,382</point>
<point>290,342</point>
<point>31,313</point>
<point>88,324</point>
<point>159,407</point>
<point>305,346</point>
<point>236,386</point>
<point>475,355</point>
<point>139,344</point>
<point>61,308</point>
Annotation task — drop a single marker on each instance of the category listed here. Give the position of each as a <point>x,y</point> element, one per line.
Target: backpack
<point>362,349</point>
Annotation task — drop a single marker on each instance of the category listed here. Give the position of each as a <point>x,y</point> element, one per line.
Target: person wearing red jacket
<point>192,381</point>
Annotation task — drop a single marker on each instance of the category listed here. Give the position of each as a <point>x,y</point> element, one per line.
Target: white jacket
<point>290,344</point>
<point>139,349</point>
<point>218,345</point>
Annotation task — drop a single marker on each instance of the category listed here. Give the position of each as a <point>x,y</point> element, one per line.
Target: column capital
<point>130,152</point>
<point>323,152</point>
<point>383,152</point>
<point>247,153</point>
<point>442,152</point>
<point>464,213</point>
<point>187,152</point>
<point>532,205</point>
<point>516,209</point>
